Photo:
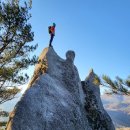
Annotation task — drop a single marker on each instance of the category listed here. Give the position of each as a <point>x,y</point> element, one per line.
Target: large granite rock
<point>55,99</point>
<point>97,117</point>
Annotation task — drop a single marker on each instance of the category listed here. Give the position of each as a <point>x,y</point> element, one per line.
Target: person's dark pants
<point>51,39</point>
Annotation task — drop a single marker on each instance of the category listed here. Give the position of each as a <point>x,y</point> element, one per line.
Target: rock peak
<point>91,70</point>
<point>55,100</point>
<point>70,55</point>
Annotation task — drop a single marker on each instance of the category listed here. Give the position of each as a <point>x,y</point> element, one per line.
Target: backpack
<point>49,29</point>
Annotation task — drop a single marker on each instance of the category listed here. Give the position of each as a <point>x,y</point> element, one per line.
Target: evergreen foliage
<point>15,47</point>
<point>3,123</point>
<point>96,80</point>
<point>4,114</point>
<point>119,86</point>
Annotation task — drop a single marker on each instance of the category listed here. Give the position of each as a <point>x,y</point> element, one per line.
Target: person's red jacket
<point>52,30</point>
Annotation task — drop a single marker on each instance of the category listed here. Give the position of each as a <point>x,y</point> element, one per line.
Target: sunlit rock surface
<point>55,99</point>
<point>97,117</point>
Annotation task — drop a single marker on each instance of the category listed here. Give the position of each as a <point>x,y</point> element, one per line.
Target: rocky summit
<point>97,116</point>
<point>57,100</point>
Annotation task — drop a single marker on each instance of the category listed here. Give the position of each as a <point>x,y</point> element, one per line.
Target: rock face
<point>55,100</point>
<point>97,117</point>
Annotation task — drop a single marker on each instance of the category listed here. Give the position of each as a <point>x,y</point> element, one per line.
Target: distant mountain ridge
<point>118,107</point>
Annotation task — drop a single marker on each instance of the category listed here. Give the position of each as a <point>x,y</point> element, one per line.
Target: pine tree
<point>119,86</point>
<point>15,46</point>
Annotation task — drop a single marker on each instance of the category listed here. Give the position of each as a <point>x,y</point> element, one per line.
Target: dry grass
<point>123,128</point>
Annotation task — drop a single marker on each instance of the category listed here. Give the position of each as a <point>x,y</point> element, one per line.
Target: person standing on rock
<point>51,30</point>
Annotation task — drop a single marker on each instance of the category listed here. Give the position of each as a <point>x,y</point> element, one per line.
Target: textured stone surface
<point>97,117</point>
<point>55,99</point>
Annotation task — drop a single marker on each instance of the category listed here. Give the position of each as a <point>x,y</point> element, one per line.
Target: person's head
<point>54,24</point>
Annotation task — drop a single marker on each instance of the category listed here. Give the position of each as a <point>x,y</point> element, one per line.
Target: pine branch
<point>118,86</point>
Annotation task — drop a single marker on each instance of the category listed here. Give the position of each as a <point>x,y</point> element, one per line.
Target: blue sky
<point>97,30</point>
